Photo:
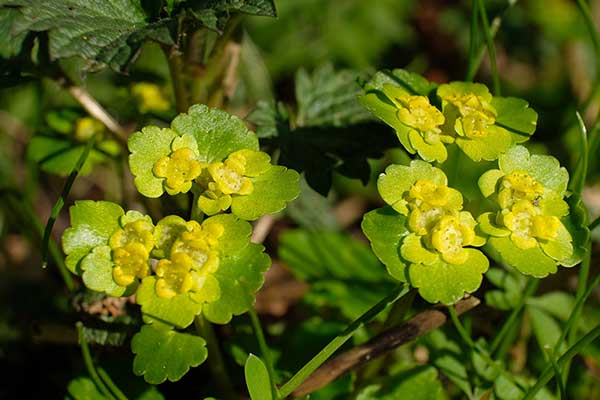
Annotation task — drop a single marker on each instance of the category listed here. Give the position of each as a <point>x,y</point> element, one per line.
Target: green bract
<point>482,126</point>
<point>215,155</point>
<point>530,227</point>
<point>424,237</point>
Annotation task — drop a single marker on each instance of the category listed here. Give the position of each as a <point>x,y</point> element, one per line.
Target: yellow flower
<point>428,202</point>
<point>131,262</point>
<point>527,224</point>
<point>516,186</point>
<point>213,201</point>
<point>87,127</point>
<point>174,275</point>
<point>139,231</point>
<point>418,113</point>
<point>150,97</point>
<point>229,176</point>
<point>198,244</point>
<point>179,170</point>
<point>450,236</point>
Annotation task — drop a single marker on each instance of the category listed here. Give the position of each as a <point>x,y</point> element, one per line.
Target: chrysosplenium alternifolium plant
<point>432,237</point>
<point>180,269</point>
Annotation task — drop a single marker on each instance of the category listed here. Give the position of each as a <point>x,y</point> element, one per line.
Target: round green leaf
<point>448,283</point>
<point>529,262</point>
<point>92,224</point>
<point>236,233</point>
<point>488,147</point>
<point>147,147</point>
<point>217,133</point>
<point>240,276</point>
<point>97,275</point>
<point>166,354</point>
<point>273,189</point>
<point>515,115</point>
<point>386,229</point>
<point>178,311</point>
<point>544,169</point>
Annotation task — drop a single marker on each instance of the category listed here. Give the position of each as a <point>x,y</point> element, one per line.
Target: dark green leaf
<point>420,383</point>
<point>410,81</point>
<point>83,388</point>
<point>312,211</point>
<point>102,32</point>
<point>214,14</point>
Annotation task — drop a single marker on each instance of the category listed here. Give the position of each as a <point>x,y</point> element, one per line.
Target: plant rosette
<point>213,154</point>
<point>482,126</point>
<point>423,236</point>
<point>531,227</point>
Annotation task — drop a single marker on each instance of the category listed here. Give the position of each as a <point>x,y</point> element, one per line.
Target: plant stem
<point>473,42</point>
<point>264,349</point>
<point>489,38</point>
<point>339,340</point>
<point>595,223</point>
<point>548,372</point>
<point>89,363</point>
<point>174,59</point>
<point>460,328</point>
<point>559,382</point>
<point>530,289</point>
<point>578,181</point>
<point>216,363</point>
<point>111,385</point>
<point>495,26</point>
<point>60,202</point>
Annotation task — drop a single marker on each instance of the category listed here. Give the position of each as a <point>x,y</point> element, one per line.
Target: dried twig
<point>262,228</point>
<point>96,110</point>
<point>381,344</point>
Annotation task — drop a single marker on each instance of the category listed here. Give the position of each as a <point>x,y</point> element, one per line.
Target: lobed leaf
<point>240,275</point>
<point>92,224</point>
<point>166,354</point>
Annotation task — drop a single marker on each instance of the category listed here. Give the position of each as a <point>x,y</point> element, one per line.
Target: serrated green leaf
<point>166,354</point>
<point>97,275</point>
<point>178,311</point>
<point>102,32</point>
<point>557,304</point>
<point>92,224</point>
<point>214,14</point>
<point>271,119</point>
<point>386,229</point>
<point>147,147</point>
<point>257,379</point>
<point>328,97</point>
<point>420,383</point>
<point>10,42</point>
<point>83,388</point>
<point>273,189</point>
<point>341,271</point>
<point>217,133</point>
<point>240,276</point>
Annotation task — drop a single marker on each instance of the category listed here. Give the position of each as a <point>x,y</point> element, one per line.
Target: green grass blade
<point>339,340</point>
<point>489,38</point>
<point>63,196</point>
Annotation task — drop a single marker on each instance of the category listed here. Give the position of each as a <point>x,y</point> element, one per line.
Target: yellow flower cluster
<point>434,214</point>
<point>475,114</point>
<point>519,196</point>
<point>131,248</point>
<point>179,170</point>
<point>193,257</point>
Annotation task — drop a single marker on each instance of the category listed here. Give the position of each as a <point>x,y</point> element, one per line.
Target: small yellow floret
<point>150,97</point>
<point>476,114</point>
<point>174,275</point>
<point>527,225</point>
<point>140,231</point>
<point>517,186</point>
<point>425,193</point>
<point>418,113</point>
<point>131,262</point>
<point>229,176</point>
<point>179,170</point>
<point>87,127</point>
<point>450,236</point>
<point>198,243</point>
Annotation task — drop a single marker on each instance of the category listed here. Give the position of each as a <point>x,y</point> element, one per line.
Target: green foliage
<point>103,33</point>
<point>330,133</point>
<point>341,271</point>
<point>165,354</point>
<point>257,379</point>
<point>417,383</point>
